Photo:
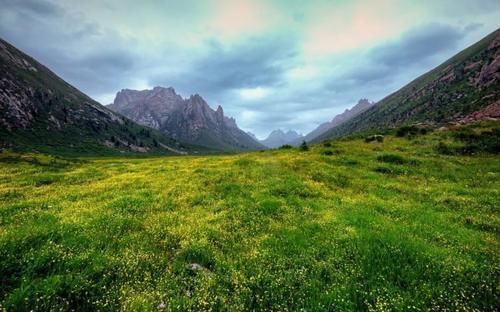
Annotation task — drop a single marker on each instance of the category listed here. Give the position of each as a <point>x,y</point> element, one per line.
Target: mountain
<point>40,111</point>
<point>467,83</point>
<point>253,136</point>
<point>278,138</point>
<point>190,120</point>
<point>361,106</point>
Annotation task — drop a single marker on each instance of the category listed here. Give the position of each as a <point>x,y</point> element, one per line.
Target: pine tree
<point>303,146</point>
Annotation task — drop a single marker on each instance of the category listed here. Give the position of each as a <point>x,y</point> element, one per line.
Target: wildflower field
<point>400,224</point>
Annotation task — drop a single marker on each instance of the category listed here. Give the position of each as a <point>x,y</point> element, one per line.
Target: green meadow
<point>409,223</point>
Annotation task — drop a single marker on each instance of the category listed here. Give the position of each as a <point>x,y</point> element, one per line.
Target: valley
<point>403,223</point>
<point>249,155</point>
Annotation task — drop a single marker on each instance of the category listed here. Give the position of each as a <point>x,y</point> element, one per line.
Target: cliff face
<point>190,120</point>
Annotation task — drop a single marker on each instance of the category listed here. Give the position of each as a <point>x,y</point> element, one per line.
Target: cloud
<point>418,44</point>
<point>88,56</point>
<point>271,64</point>
<point>413,52</point>
<point>232,18</point>
<point>253,63</point>
<point>32,7</point>
<point>250,94</point>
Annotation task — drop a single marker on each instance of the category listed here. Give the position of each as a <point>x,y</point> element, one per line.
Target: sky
<point>285,64</point>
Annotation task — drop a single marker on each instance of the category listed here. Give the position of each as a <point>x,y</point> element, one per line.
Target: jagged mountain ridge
<point>253,136</point>
<point>278,138</point>
<point>361,106</point>
<point>466,83</point>
<point>40,111</point>
<point>190,120</point>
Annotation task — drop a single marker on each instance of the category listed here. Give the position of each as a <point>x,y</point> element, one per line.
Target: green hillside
<point>466,83</point>
<point>41,112</point>
<point>399,223</point>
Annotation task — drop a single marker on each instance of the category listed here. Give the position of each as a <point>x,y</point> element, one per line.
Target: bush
<point>375,137</point>
<point>406,131</point>
<point>304,147</point>
<point>327,153</point>
<point>487,141</point>
<point>388,170</point>
<point>286,146</point>
<point>410,131</point>
<point>443,148</point>
<point>391,158</point>
<point>327,144</point>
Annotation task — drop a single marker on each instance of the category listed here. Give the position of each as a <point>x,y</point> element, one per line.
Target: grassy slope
<point>275,230</point>
<point>426,99</point>
<point>79,137</point>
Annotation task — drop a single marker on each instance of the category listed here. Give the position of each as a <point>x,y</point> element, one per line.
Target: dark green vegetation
<point>41,112</point>
<point>346,226</point>
<point>464,84</point>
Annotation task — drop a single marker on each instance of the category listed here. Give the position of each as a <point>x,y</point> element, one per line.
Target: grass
<point>392,225</point>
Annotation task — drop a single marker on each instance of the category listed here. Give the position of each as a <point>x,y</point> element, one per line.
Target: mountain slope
<point>278,138</point>
<point>361,106</point>
<point>40,111</point>
<point>464,84</point>
<point>253,136</point>
<point>190,120</point>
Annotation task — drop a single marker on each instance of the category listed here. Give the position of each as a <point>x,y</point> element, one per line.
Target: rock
<point>490,112</point>
<point>195,267</point>
<point>161,307</point>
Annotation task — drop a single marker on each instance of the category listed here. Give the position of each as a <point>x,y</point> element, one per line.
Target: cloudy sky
<point>288,64</point>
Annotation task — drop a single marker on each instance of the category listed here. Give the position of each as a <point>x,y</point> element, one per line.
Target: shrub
<point>327,152</point>
<point>406,131</point>
<point>286,146</point>
<point>304,147</point>
<point>391,158</point>
<point>487,141</point>
<point>375,137</point>
<point>443,148</point>
<point>388,170</point>
<point>327,144</point>
<point>410,131</point>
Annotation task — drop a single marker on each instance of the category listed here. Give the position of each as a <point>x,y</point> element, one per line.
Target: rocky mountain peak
<point>220,111</point>
<point>362,105</point>
<point>191,120</point>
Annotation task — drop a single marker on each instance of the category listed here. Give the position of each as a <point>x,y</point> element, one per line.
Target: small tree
<point>303,146</point>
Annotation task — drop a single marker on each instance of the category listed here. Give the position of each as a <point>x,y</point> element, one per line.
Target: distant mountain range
<point>278,138</point>
<point>189,120</point>
<point>41,112</point>
<point>464,86</point>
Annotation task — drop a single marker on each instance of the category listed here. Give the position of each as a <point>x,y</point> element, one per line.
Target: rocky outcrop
<point>490,112</point>
<point>191,120</point>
